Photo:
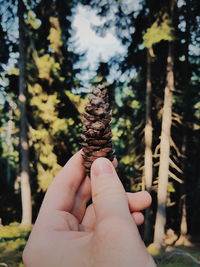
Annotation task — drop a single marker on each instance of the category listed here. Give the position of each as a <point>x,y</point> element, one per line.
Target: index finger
<point>61,193</point>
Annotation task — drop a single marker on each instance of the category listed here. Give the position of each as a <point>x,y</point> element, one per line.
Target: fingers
<point>61,193</point>
<point>115,162</point>
<point>89,219</point>
<point>138,217</point>
<point>83,196</point>
<point>108,195</point>
<point>139,201</point>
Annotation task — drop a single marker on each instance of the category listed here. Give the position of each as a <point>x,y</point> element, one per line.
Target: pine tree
<point>24,174</point>
<point>165,144</point>
<point>54,118</point>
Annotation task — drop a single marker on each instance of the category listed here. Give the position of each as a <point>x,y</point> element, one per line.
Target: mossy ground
<point>12,241</point>
<point>177,256</point>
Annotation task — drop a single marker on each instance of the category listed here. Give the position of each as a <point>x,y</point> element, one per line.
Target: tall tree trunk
<point>185,133</point>
<point>24,174</point>
<point>164,153</point>
<point>148,170</point>
<point>9,145</point>
<point>182,239</point>
<point>163,172</point>
<point>148,161</point>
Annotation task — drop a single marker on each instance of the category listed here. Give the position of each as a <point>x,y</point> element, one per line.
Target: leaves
<point>159,31</point>
<point>55,37</point>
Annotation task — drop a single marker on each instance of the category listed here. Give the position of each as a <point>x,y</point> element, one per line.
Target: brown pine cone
<point>96,133</point>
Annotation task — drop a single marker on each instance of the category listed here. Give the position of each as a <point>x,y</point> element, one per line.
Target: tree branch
<point>174,166</point>
<point>173,176</point>
<point>175,147</point>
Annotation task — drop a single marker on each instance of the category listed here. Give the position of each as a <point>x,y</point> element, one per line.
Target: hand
<point>69,234</point>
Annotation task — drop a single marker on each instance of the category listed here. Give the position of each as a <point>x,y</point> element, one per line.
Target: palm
<point>66,225</point>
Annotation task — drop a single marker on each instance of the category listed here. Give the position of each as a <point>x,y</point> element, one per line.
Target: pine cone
<point>96,132</point>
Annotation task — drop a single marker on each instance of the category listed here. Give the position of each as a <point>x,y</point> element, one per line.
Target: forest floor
<point>13,239</point>
<point>186,254</point>
<point>180,256</point>
<point>12,242</point>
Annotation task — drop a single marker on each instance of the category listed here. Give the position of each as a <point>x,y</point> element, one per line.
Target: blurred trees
<point>24,145</point>
<point>147,24</point>
<point>51,75</point>
<point>154,95</point>
<point>49,114</point>
<point>164,162</point>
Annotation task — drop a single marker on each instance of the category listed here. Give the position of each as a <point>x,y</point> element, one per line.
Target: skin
<point>104,234</point>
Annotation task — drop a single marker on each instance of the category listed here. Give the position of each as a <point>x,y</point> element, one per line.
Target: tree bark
<point>163,172</point>
<point>148,170</point>
<point>148,161</point>
<point>9,145</point>
<point>164,153</point>
<point>185,133</point>
<point>24,147</point>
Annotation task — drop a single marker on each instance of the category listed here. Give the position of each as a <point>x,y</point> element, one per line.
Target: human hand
<point>68,233</point>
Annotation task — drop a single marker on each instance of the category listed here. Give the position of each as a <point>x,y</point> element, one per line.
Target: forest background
<point>155,99</point>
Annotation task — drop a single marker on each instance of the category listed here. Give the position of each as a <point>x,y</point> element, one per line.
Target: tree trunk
<point>164,153</point>
<point>163,172</point>
<point>24,174</point>
<point>183,227</point>
<point>185,133</point>
<point>148,170</point>
<point>148,161</point>
<point>182,239</point>
<point>9,145</point>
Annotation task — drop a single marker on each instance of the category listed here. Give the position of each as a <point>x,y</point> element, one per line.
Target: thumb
<point>108,195</point>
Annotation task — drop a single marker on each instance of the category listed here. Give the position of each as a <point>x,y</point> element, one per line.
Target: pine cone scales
<point>96,132</point>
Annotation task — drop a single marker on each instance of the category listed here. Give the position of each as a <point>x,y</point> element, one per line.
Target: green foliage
<point>12,241</point>
<point>175,257</point>
<point>13,71</point>
<point>122,130</point>
<point>9,141</point>
<point>55,35</point>
<point>32,20</point>
<point>14,231</point>
<point>78,101</point>
<point>159,31</point>
<point>44,110</point>
<point>179,261</point>
<point>54,110</point>
<point>170,187</point>
<point>47,66</point>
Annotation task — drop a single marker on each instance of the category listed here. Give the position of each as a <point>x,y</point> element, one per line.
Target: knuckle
<point>107,191</point>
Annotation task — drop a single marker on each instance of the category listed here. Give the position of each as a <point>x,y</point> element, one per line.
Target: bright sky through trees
<point>103,47</point>
<point>98,48</point>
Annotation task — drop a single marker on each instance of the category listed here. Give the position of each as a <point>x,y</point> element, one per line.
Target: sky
<point>97,47</point>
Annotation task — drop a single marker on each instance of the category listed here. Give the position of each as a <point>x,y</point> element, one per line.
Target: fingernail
<point>102,166</point>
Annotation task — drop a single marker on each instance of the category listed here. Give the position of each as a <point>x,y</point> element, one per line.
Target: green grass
<point>12,242</point>
<point>176,256</point>
<point>185,259</point>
